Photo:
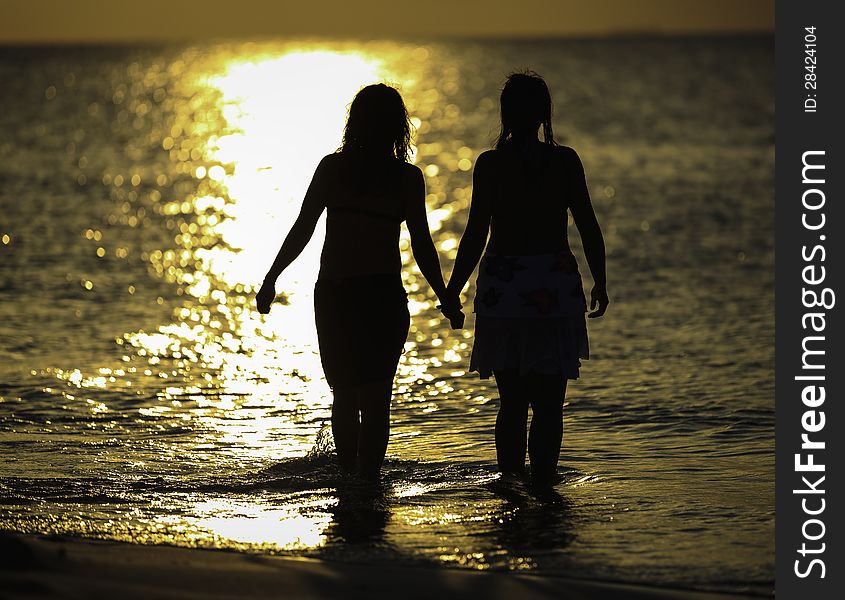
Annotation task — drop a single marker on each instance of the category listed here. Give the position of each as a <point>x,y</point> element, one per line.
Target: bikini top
<point>375,214</point>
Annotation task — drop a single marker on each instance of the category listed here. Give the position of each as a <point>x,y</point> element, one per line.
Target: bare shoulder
<point>409,170</point>
<point>328,167</point>
<point>486,166</point>
<point>330,161</point>
<point>411,175</point>
<point>412,193</point>
<point>487,159</point>
<point>567,162</point>
<point>566,155</point>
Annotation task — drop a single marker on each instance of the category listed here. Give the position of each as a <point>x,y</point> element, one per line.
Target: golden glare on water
<point>240,396</point>
<point>287,528</point>
<point>279,115</point>
<point>283,115</point>
<point>247,132</point>
<point>144,398</point>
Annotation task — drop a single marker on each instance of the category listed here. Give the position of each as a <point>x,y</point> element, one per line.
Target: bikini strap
<point>367,212</point>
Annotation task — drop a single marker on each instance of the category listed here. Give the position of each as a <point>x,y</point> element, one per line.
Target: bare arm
<point>474,238</point>
<point>421,243</point>
<point>591,236</point>
<point>297,238</point>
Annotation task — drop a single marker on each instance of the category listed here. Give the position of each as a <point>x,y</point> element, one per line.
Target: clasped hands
<point>450,306</point>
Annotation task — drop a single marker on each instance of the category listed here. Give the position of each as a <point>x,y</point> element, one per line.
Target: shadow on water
<point>361,514</point>
<point>524,523</point>
<point>533,520</point>
<point>362,510</point>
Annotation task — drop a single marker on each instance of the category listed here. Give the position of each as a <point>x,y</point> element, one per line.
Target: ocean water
<point>145,191</point>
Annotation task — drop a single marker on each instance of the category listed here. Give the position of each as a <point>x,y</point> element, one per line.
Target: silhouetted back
<point>530,187</point>
<point>366,201</point>
<point>367,185</point>
<point>529,183</point>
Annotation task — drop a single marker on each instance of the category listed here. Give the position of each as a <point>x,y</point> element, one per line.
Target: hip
<point>535,286</point>
<point>361,296</point>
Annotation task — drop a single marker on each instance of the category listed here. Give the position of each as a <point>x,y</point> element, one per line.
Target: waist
<point>346,255</point>
<point>562,261</point>
<point>363,280</point>
<point>541,285</point>
<point>531,240</point>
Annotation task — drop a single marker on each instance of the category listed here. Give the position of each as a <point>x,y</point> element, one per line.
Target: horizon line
<point>223,39</point>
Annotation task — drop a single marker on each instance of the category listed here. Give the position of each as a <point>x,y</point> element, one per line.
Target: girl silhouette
<point>530,330</point>
<point>368,189</point>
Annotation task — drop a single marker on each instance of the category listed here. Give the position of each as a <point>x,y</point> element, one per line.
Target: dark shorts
<point>362,325</point>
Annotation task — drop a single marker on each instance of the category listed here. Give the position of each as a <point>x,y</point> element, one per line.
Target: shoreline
<point>34,566</point>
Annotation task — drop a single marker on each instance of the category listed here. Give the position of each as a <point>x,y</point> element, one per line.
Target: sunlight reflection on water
<point>279,116</point>
<point>144,399</point>
<point>296,527</point>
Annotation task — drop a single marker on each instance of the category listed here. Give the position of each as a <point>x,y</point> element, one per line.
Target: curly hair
<point>378,120</point>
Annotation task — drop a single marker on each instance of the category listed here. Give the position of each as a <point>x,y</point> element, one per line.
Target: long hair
<point>525,103</point>
<point>378,121</point>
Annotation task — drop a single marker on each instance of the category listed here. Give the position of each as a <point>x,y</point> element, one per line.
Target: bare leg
<point>511,422</point>
<point>345,426</point>
<point>546,435</point>
<point>374,401</point>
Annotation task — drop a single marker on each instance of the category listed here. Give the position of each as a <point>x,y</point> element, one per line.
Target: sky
<point>130,21</point>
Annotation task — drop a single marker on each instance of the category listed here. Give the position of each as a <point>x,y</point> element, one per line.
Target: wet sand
<point>39,567</point>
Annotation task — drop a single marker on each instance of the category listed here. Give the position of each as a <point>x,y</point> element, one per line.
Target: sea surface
<point>144,192</point>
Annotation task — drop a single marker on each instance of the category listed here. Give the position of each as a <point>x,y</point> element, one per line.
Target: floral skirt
<point>530,315</point>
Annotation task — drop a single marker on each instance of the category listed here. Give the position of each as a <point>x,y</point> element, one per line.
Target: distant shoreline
<point>644,35</point>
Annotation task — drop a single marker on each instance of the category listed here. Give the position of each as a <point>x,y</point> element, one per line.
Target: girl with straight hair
<point>530,330</point>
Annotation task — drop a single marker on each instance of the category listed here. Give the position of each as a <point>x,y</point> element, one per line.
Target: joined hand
<point>451,309</point>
